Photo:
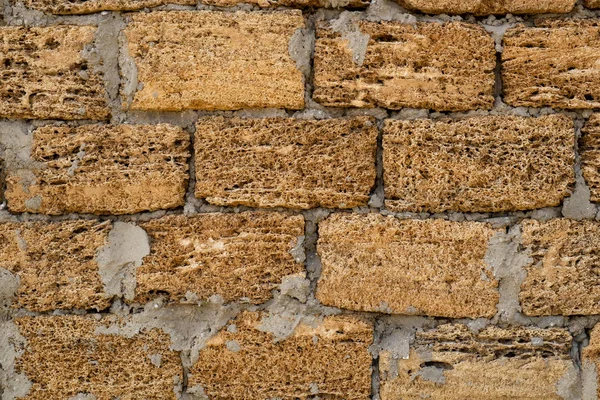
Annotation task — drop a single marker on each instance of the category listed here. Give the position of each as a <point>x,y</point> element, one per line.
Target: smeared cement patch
<point>124,251</point>
<point>347,26</point>
<point>12,346</point>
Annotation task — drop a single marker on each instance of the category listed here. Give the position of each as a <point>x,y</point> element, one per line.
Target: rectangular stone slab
<point>384,264</point>
<point>93,6</point>
<point>45,74</point>
<point>555,64</point>
<point>235,256</point>
<point>285,162</point>
<point>486,7</point>
<point>55,264</point>
<point>452,362</point>
<point>562,276</point>
<point>106,366</point>
<point>444,67</point>
<point>102,169</point>
<point>327,357</point>
<point>480,164</point>
<point>213,60</point>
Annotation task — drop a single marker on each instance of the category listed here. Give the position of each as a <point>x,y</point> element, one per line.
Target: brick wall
<point>299,199</point>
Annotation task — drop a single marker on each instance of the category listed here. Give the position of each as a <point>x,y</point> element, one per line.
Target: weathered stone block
<point>445,67</point>
<point>481,164</point>
<point>279,162</point>
<point>102,169</point>
<point>213,60</point>
<point>486,7</point>
<point>46,75</point>
<point>328,358</point>
<point>431,267</point>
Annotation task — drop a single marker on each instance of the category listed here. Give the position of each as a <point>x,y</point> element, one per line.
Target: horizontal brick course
<point>431,267</point>
<point>328,358</point>
<point>445,67</point>
<point>481,164</point>
<point>92,6</point>
<point>66,356</point>
<point>102,169</point>
<point>561,278</point>
<point>486,7</point>
<point>55,263</point>
<point>209,60</point>
<point>234,256</point>
<point>554,64</point>
<point>279,162</point>
<point>46,76</point>
<point>452,362</point>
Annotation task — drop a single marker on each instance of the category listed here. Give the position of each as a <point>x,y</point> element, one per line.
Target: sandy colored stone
<point>562,277</point>
<point>102,169</point>
<point>480,164</point>
<point>330,360</point>
<point>486,7</point>
<point>445,67</point>
<point>555,64</point>
<point>45,75</point>
<point>590,155</point>
<point>55,263</point>
<point>65,356</point>
<point>235,256</point>
<point>352,4</point>
<point>431,267</point>
<point>212,60</point>
<point>592,3</point>
<point>92,6</point>
<point>286,162</point>
<point>451,362</point>
<point>590,356</point>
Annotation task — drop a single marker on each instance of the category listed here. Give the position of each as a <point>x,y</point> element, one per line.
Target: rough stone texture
<point>562,278</point>
<point>486,7</point>
<point>92,6</point>
<point>592,3</point>
<point>446,67</point>
<point>590,155</point>
<point>556,64</point>
<point>102,169</point>
<point>481,164</point>
<point>234,256</point>
<point>65,356</point>
<point>45,75</point>
<point>432,267</point>
<point>281,162</point>
<point>352,4</point>
<point>55,264</point>
<point>591,364</point>
<point>214,60</point>
<point>451,362</point>
<point>330,360</point>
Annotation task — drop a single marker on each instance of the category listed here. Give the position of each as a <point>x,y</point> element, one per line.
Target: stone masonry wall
<point>299,199</point>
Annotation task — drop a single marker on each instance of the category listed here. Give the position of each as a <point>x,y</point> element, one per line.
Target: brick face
<point>46,76</point>
<point>478,164</point>
<point>328,358</point>
<point>452,362</point>
<point>432,267</point>
<point>422,66</point>
<point>486,7</point>
<point>55,264</point>
<point>555,65</point>
<point>285,162</point>
<point>561,278</point>
<point>106,366</point>
<point>102,169</point>
<point>234,256</point>
<point>208,60</point>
